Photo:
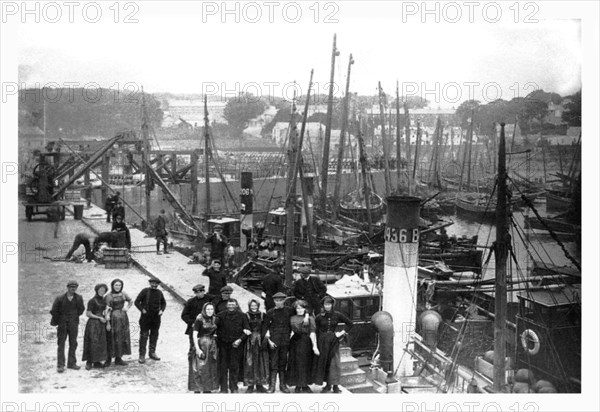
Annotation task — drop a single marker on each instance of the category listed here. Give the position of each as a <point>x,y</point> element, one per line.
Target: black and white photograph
<point>230,205</point>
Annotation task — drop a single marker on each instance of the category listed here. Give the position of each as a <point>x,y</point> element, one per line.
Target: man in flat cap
<point>218,243</point>
<point>272,284</point>
<point>218,278</point>
<point>151,302</point>
<point>311,289</point>
<point>191,310</point>
<point>66,310</point>
<point>276,329</point>
<point>220,302</point>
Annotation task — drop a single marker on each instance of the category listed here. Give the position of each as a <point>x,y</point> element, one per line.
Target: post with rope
<point>400,275</point>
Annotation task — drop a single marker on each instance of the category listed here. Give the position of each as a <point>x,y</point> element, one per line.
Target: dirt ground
<point>41,280</point>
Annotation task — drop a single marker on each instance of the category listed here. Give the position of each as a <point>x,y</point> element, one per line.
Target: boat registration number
<point>397,235</point>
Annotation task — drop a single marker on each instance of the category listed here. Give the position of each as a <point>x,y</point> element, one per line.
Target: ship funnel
<point>400,275</point>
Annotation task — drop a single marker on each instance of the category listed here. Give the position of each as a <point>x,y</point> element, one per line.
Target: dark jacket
<point>217,280</point>
<point>272,284</point>
<point>160,226</point>
<point>311,290</point>
<point>220,304</point>
<point>231,326</point>
<point>61,309</point>
<point>328,322</point>
<point>217,246</point>
<point>191,310</point>
<point>277,321</point>
<point>152,300</point>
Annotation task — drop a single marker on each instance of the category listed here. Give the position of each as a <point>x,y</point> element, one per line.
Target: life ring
<point>530,336</point>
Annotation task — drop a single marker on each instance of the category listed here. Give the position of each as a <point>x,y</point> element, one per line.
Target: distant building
<point>427,116</point>
<point>314,135</point>
<point>256,125</point>
<point>193,111</point>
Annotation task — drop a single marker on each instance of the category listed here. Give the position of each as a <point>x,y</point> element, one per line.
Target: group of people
<point>298,344</point>
<point>107,334</point>
<point>228,346</point>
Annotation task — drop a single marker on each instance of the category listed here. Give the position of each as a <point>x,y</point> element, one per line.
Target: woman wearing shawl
<point>303,345</point>
<point>119,341</point>
<point>204,363</point>
<point>256,352</point>
<point>94,338</point>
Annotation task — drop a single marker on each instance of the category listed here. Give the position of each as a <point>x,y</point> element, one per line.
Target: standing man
<point>118,210</point>
<point>220,302</point>
<point>311,289</point>
<point>232,329</point>
<point>87,193</point>
<point>151,302</point>
<point>276,329</point>
<point>218,278</point>
<point>111,201</point>
<point>218,243</point>
<point>160,232</point>
<point>65,312</point>
<point>272,284</point>
<point>193,307</point>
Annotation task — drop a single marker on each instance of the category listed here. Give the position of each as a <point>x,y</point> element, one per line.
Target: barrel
<point>78,212</point>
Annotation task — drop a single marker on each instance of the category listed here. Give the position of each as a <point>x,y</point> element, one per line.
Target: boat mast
<point>363,167</point>
<point>501,247</point>
<point>338,172</point>
<point>418,143</point>
<point>146,157</point>
<point>300,169</point>
<point>386,165</point>
<point>290,201</point>
<point>398,138</point>
<point>325,160</point>
<point>206,158</point>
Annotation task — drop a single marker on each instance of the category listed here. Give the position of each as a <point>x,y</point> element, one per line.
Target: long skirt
<point>120,341</point>
<point>300,361</point>
<point>205,374</point>
<point>328,366</point>
<point>256,361</point>
<point>94,341</point>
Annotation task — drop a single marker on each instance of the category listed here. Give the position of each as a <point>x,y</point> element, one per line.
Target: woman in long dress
<point>256,352</point>
<point>206,375</point>
<point>303,345</point>
<point>328,367</point>
<point>94,338</point>
<point>119,340</point>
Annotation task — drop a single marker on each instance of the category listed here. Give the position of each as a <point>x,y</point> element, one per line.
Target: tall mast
<point>398,137</point>
<point>418,143</point>
<point>407,132</point>
<point>363,167</point>
<point>386,165</point>
<point>501,255</point>
<point>470,146</point>
<point>206,158</point>
<point>290,201</point>
<point>146,157</point>
<point>325,165</point>
<point>299,170</point>
<point>338,172</point>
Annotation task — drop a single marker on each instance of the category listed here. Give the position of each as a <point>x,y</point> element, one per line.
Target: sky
<point>185,47</point>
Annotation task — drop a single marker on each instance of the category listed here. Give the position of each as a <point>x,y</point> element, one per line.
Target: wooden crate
<point>116,265</point>
<point>116,255</point>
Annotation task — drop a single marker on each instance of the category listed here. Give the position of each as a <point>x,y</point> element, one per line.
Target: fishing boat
<point>353,206</point>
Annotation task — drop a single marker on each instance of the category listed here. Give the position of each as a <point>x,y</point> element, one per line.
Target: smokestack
<point>246,212</point>
<point>400,274</point>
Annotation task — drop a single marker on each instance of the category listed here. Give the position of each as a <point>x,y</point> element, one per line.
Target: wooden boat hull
<point>555,200</point>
